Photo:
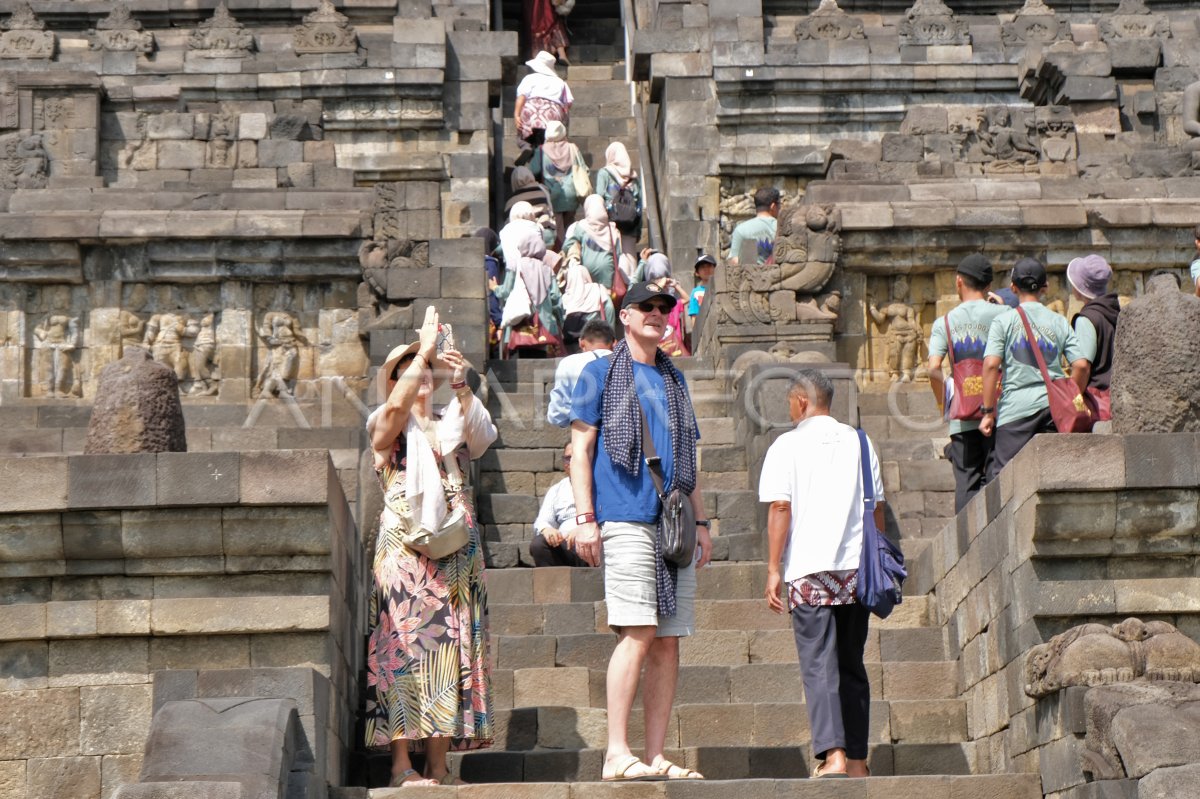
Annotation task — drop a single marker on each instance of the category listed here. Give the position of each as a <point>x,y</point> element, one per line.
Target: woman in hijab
<point>542,97</point>
<point>539,333</point>
<point>617,174</point>
<point>546,25</point>
<point>522,220</point>
<point>656,268</point>
<point>495,271</point>
<point>526,189</point>
<point>553,164</point>
<point>595,242</point>
<point>583,300</point>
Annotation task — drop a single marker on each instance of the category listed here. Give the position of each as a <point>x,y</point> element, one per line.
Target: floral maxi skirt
<point>427,671</point>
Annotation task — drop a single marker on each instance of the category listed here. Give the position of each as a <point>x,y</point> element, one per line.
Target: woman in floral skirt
<point>427,675</point>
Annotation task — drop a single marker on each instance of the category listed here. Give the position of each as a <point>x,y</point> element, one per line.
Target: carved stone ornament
<point>1035,23</point>
<point>120,32</point>
<point>931,22</point>
<point>1133,20</point>
<point>24,163</point>
<point>325,30</point>
<point>1095,654</point>
<point>222,36</point>
<point>786,288</point>
<point>830,23</point>
<point>25,36</point>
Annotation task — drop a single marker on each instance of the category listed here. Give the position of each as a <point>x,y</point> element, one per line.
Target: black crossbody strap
<point>649,452</point>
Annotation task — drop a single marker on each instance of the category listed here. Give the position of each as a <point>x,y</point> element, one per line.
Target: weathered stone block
<point>568,687</point>
<point>33,484</point>
<point>276,531</point>
<point>114,719</point>
<point>98,662</point>
<point>901,148</point>
<point>181,154</point>
<point>48,721</point>
<point>285,476</point>
<point>175,533</point>
<point>111,481</point>
<point>209,478</point>
<point>239,615</point>
<point>63,776</point>
<point>31,537</point>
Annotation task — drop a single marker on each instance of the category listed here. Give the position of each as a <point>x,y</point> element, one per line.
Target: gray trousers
<point>830,642</point>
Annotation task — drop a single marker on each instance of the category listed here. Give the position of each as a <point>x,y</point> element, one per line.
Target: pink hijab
<point>531,266</point>
<point>560,151</point>
<point>617,162</point>
<point>596,225</point>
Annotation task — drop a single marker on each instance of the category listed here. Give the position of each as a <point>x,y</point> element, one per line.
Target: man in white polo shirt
<point>812,476</point>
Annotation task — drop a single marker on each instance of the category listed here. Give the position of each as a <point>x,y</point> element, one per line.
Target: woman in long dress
<point>428,686</point>
<point>539,333</point>
<point>618,173</point>
<point>547,29</point>
<point>553,165</point>
<point>595,242</point>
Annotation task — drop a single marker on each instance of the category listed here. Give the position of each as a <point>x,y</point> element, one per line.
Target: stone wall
<point>1079,528</point>
<point>118,567</point>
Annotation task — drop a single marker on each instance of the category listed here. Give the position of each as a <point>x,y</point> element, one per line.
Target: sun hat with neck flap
<point>543,63</point>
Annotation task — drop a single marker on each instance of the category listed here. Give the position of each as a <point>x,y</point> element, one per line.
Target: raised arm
<point>392,418</point>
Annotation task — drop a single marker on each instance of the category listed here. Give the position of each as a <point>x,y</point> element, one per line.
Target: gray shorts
<point>630,592</point>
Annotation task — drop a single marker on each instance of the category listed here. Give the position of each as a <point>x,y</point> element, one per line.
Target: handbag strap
<point>653,462</point>
<point>868,481</point>
<point>949,341</point>
<point>1037,351</point>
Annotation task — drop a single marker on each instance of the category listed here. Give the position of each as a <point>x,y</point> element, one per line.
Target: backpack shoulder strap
<point>865,457</point>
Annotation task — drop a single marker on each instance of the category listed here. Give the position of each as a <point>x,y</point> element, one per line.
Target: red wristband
<point>585,518</point>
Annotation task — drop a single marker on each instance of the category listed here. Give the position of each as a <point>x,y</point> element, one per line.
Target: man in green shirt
<point>1024,406</point>
<point>760,229</point>
<point>969,450</point>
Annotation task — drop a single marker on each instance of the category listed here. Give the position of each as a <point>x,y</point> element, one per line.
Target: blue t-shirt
<point>618,496</point>
<point>696,298</point>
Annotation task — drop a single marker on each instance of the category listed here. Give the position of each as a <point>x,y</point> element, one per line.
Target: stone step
<point>763,761</point>
<point>751,615</point>
<point>923,769</point>
<point>935,475</point>
<point>894,428</point>
<point>921,504</point>
<point>921,721</point>
<point>523,648</point>
<point>914,400</point>
<point>581,687</point>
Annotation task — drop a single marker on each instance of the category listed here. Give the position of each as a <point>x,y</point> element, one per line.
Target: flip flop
<point>820,773</point>
<point>405,777</point>
<point>673,772</point>
<point>450,779</point>
<point>621,772</point>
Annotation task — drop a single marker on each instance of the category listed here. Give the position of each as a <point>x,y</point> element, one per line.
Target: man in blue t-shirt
<point>649,605</point>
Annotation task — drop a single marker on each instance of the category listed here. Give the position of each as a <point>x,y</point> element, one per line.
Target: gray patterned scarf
<point>621,425</point>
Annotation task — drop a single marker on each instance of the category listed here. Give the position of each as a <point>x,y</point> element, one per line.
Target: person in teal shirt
<point>969,451</point>
<point>760,229</point>
<point>1025,407</point>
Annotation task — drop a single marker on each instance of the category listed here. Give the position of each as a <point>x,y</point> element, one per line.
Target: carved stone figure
<point>899,321</point>
<point>221,36</point>
<point>1133,20</point>
<point>1006,144</point>
<point>200,358</point>
<point>378,256</point>
<point>931,22</point>
<point>164,340</point>
<point>1190,109</point>
<point>137,408</point>
<point>56,338</point>
<point>25,36</point>
<point>1056,129</point>
<point>281,332</point>
<point>1095,654</point>
<point>830,23</point>
<point>131,328</point>
<point>1139,728</point>
<point>325,31</point>
<point>120,32</point>
<point>1155,383</point>
<point>25,162</point>
<point>222,133</point>
<point>1035,23</point>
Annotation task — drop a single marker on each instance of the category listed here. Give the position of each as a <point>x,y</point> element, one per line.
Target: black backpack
<point>623,209</point>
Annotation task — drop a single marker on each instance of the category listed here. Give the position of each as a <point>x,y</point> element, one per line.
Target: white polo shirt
<point>817,468</point>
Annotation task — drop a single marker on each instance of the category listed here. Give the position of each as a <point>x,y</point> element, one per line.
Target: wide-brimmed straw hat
<point>396,356</point>
<point>544,63</point>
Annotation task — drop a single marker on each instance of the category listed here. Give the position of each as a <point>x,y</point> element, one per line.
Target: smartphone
<point>445,337</point>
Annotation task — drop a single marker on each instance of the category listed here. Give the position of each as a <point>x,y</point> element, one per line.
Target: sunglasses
<point>646,307</point>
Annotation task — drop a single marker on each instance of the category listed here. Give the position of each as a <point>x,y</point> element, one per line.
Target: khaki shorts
<point>630,592</point>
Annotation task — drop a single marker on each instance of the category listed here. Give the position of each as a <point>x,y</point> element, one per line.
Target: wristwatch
<point>704,523</point>
<point>585,518</point>
<point>983,409</point>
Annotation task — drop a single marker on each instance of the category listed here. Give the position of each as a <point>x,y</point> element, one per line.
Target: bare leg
<point>857,768</point>
<point>624,669</point>
<point>435,757</point>
<point>658,693</point>
<point>401,762</point>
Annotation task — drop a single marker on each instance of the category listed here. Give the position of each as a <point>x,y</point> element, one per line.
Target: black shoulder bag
<point>676,519</point>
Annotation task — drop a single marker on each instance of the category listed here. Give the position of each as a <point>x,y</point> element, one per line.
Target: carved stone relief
<point>1133,20</point>
<point>898,320</point>
<point>120,32</point>
<point>931,22</point>
<point>383,113</point>
<point>791,286</point>
<point>221,36</point>
<point>325,30</point>
<point>9,108</point>
<point>56,341</point>
<point>25,36</point>
<point>1095,654</point>
<point>1056,129</point>
<point>830,23</point>
<point>282,335</point>
<point>24,162</point>
<point>222,135</point>
<point>1005,140</point>
<point>1035,23</point>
